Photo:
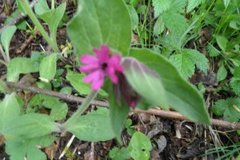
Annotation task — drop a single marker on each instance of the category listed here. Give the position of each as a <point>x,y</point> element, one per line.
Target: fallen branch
<point>159,112</point>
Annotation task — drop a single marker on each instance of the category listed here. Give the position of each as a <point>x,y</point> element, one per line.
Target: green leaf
<point>52,17</point>
<point>94,127</point>
<point>192,4</point>
<point>235,81</point>
<point>119,154</point>
<point>6,37</point>
<point>9,109</point>
<point>213,52</point>
<point>20,65</point>
<point>185,62</point>
<point>58,109</point>
<point>222,42</point>
<point>30,126</point>
<point>181,95</point>
<point>139,146</point>
<point>221,73</point>
<point>160,6</point>
<point>100,22</point>
<point>229,108</point>
<point>158,26</point>
<point>28,148</point>
<point>134,17</point>
<point>152,89</point>
<point>48,67</point>
<point>76,80</point>
<point>175,22</point>
<point>118,113</point>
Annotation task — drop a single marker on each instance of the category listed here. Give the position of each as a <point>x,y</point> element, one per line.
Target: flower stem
<point>81,109</point>
<point>38,25</point>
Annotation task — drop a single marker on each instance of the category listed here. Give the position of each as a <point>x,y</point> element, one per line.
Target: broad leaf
<point>221,73</point>
<point>30,126</point>
<point>76,80</point>
<point>6,37</point>
<point>100,22</point>
<point>9,109</point>
<point>20,65</point>
<point>48,67</point>
<point>93,127</point>
<point>180,94</point>
<point>140,146</point>
<point>28,148</point>
<point>152,89</point>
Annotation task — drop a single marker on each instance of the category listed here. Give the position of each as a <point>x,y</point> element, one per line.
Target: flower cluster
<point>100,66</point>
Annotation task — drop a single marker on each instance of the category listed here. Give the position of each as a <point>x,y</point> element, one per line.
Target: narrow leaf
<point>6,37</point>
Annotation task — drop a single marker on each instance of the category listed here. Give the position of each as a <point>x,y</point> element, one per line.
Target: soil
<point>171,139</point>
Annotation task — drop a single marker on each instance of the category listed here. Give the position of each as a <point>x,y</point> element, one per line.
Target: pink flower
<point>101,65</point>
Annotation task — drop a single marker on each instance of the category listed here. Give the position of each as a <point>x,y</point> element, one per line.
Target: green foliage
<point>161,6</point>
<point>118,112</point>
<point>228,108</point>
<point>221,73</point>
<point>119,154</point>
<point>52,17</point>
<point>28,148</point>
<point>6,37</point>
<point>235,81</point>
<point>20,65</point>
<point>98,25</point>
<point>152,89</point>
<point>186,61</point>
<point>48,67</point>
<point>58,109</point>
<point>94,127</point>
<point>30,125</point>
<point>9,110</point>
<point>139,146</point>
<point>177,90</point>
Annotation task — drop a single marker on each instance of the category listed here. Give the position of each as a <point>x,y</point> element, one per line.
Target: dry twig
<point>159,112</point>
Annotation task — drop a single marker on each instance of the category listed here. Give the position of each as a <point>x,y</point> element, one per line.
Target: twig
<point>25,44</point>
<point>66,97</point>
<point>165,114</point>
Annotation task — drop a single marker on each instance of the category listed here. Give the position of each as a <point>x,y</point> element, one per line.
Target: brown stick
<point>159,112</point>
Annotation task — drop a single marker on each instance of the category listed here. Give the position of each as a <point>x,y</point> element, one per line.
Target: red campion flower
<point>101,65</point>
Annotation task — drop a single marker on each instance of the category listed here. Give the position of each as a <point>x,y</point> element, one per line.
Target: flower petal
<point>96,79</point>
<point>88,59</point>
<point>89,68</point>
<point>102,54</point>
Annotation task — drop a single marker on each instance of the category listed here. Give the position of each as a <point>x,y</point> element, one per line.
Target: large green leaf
<point>30,126</point>
<point>28,148</point>
<point>9,109</point>
<point>20,65</point>
<point>152,89</point>
<point>180,94</point>
<point>100,22</point>
<point>48,67</point>
<point>93,127</point>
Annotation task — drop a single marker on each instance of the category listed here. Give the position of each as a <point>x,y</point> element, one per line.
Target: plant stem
<point>81,109</point>
<point>38,25</point>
